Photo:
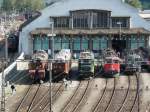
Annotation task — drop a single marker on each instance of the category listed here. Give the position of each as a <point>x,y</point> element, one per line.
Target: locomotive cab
<point>112,66</point>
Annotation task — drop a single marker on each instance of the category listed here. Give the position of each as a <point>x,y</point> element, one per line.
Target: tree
<point>22,5</point>
<point>37,4</point>
<point>135,3</point>
<point>19,5</point>
<point>7,5</point>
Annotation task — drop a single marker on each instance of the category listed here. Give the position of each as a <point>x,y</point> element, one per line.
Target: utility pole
<point>50,85</point>
<point>138,84</point>
<point>5,34</point>
<point>3,63</point>
<point>50,64</point>
<point>6,46</point>
<point>52,24</point>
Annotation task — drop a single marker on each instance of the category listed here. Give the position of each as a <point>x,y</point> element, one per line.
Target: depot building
<point>85,24</point>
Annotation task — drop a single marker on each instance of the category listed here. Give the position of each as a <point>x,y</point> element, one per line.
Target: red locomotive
<point>38,66</point>
<point>111,65</point>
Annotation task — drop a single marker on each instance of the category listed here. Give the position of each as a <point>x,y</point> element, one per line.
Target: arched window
<point>76,43</point>
<point>103,43</point>
<point>65,43</point>
<point>84,43</point>
<point>37,43</point>
<point>57,43</point>
<point>134,43</point>
<point>96,43</point>
<point>45,43</point>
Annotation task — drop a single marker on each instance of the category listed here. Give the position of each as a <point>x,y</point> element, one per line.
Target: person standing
<point>13,89</point>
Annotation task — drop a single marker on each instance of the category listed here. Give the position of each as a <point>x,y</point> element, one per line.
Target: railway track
<point>43,104</point>
<point>84,97</point>
<point>77,97</point>
<point>112,98</point>
<point>118,96</point>
<point>40,94</point>
<point>28,98</point>
<point>131,97</point>
<point>106,97</point>
<point>100,97</point>
<point>136,103</point>
<point>54,98</point>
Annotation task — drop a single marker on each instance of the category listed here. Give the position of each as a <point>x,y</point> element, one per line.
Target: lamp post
<point>6,46</point>
<point>3,89</point>
<point>50,85</point>
<point>119,23</point>
<point>50,65</point>
<point>52,39</point>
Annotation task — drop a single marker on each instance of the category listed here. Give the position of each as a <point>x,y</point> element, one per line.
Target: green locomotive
<point>86,64</point>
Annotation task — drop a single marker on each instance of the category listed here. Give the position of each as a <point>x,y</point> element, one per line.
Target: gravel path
<point>145,92</point>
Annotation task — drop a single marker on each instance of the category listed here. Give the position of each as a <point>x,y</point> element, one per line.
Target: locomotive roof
<point>113,58</point>
<point>40,55</point>
<point>134,56</point>
<point>86,55</point>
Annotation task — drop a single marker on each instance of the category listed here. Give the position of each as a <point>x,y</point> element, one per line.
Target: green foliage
<point>145,4</point>
<point>7,5</point>
<point>135,3</point>
<point>21,5</point>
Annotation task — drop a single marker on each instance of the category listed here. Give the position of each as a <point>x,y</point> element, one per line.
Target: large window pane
<point>80,20</point>
<point>37,43</point>
<point>142,42</point>
<point>65,43</point>
<point>96,44</point>
<point>84,43</point>
<point>100,19</point>
<point>124,22</point>
<point>61,22</point>
<point>76,45</point>
<point>134,44</point>
<point>45,43</point>
<point>103,43</point>
<point>57,43</point>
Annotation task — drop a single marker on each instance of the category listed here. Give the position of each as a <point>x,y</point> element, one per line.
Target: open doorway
<point>119,45</point>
